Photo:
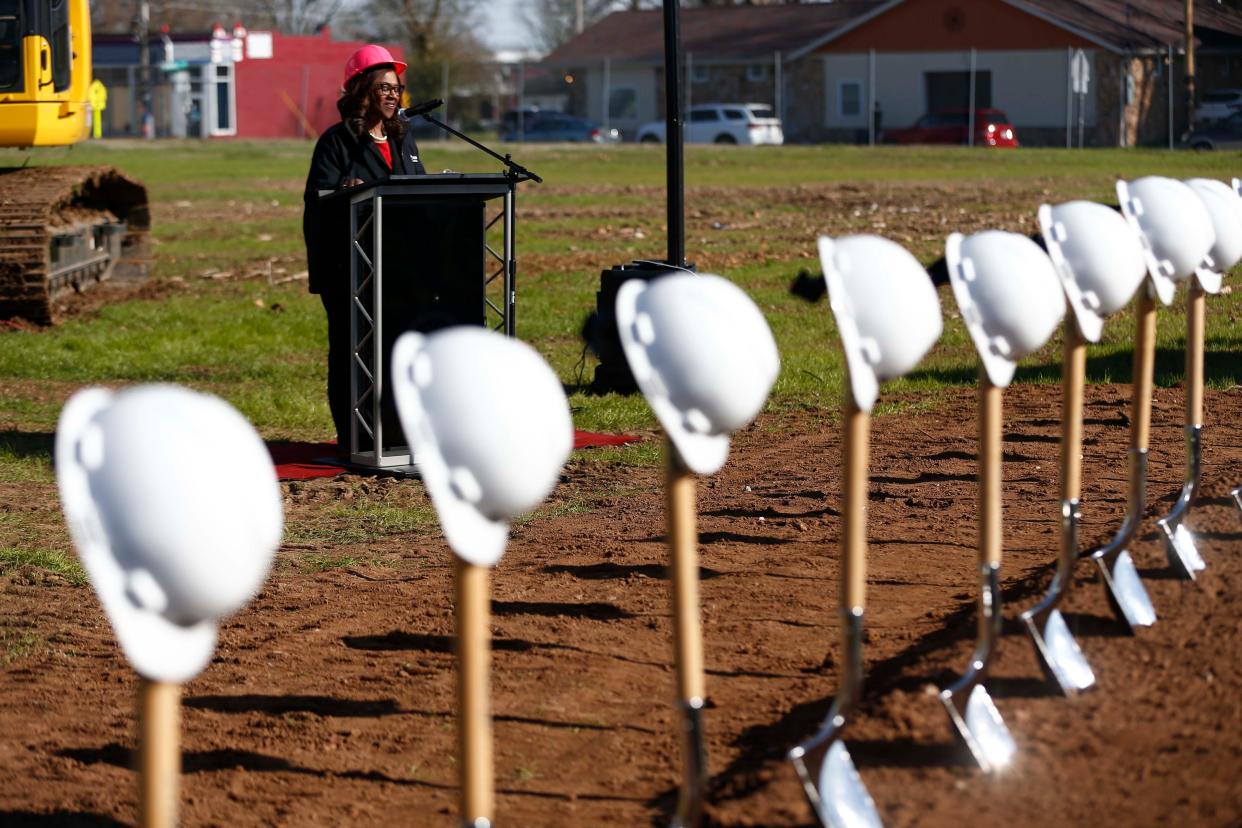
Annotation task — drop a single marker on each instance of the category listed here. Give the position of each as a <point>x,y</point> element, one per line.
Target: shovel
<point>1237,495</point>
<point>970,707</point>
<point>1055,646</point>
<point>1184,558</point>
<point>833,787</point>
<point>473,691</point>
<point>159,753</point>
<point>688,638</point>
<point>1125,589</point>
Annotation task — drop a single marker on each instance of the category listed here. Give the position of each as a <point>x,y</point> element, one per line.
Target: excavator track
<point>63,229</point>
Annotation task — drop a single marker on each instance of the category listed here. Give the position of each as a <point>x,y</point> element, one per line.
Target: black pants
<point>339,347</point>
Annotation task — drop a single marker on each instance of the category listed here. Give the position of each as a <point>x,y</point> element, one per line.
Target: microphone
<point>422,108</point>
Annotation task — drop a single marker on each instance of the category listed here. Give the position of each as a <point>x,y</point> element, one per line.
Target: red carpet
<point>303,461</point>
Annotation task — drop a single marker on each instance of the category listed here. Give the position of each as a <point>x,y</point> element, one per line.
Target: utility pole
<point>581,15</point>
<point>1190,63</point>
<point>143,36</point>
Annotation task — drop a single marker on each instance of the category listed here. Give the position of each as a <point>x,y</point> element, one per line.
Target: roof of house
<point>735,32</point>
<point>1134,24</point>
<point>749,32</point>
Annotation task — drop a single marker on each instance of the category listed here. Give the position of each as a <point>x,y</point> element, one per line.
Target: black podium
<point>424,256</point>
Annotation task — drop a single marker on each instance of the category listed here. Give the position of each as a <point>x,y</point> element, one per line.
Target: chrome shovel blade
<point>1062,655</point>
<point>1127,591</point>
<point>1184,556</point>
<point>836,792</point>
<point>983,729</point>
<point>1237,495</point>
<point>845,802</point>
<point>988,728</point>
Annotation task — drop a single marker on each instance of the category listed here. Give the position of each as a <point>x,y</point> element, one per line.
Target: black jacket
<point>340,156</point>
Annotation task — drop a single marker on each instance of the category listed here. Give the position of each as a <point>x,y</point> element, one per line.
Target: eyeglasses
<point>389,89</point>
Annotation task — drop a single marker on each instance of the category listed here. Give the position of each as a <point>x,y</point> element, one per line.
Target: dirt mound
<point>330,700</point>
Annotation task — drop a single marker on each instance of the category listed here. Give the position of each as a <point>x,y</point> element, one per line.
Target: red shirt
<point>386,151</point>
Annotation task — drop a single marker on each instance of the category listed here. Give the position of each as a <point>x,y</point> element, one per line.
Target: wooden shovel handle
<point>1195,312</point>
<point>1144,369</point>
<point>474,720</point>
<point>990,451</point>
<point>159,753</point>
<point>1073,375</point>
<point>856,451</point>
<point>683,546</point>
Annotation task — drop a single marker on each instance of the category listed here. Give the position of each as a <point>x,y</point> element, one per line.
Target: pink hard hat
<point>368,56</point>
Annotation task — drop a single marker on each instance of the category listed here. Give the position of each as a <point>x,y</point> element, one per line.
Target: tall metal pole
<point>688,100</point>
<point>1169,81</point>
<point>971,119</point>
<point>871,136</point>
<point>1069,96</point>
<point>607,119</point>
<point>144,70</point>
<point>1190,63</point>
<point>778,97</point>
<point>675,159</point>
<point>444,94</point>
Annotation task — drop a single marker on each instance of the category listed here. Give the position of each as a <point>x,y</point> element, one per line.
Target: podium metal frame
<point>366,212</point>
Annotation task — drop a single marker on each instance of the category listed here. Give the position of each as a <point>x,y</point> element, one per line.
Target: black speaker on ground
<point>600,331</point>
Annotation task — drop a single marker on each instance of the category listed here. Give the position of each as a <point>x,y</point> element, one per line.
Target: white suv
<point>750,123</point>
<point>1218,105</point>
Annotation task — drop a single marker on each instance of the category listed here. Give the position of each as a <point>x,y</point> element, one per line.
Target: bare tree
<point>552,22</point>
<point>285,16</point>
<point>435,33</point>
<point>298,16</point>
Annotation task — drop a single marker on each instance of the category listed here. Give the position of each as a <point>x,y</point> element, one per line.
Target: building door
<point>951,90</point>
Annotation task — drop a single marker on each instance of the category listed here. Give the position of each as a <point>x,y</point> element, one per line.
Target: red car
<point>952,126</point>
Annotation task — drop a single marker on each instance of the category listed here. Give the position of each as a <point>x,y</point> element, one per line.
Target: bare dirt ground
<point>330,701</point>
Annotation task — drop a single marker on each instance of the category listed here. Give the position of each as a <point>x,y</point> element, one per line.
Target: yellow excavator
<point>61,228</point>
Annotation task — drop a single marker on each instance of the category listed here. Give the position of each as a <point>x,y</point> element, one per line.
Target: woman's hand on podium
<point>352,182</point>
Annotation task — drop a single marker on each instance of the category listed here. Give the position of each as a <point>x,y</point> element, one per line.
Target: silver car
<point>741,123</point>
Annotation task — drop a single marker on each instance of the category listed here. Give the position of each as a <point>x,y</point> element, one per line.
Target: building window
<point>849,99</point>
<point>11,28</point>
<point>699,74</point>
<point>623,104</point>
<point>223,101</point>
<point>757,72</point>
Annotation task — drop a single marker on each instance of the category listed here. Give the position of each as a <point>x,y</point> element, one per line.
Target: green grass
<point>13,559</point>
<point>237,205</point>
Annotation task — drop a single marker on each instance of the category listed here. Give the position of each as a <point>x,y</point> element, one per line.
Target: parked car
<point>563,128</point>
<point>529,115</point>
<point>952,126</point>
<point>730,123</point>
<point>1218,105</point>
<point>1223,134</point>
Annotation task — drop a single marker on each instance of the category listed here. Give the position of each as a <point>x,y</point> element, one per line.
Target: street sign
<point>1080,72</point>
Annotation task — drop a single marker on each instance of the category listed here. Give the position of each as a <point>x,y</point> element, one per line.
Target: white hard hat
<point>489,426</point>
<point>885,306</point>
<point>1173,226</point>
<point>1098,257</point>
<point>173,504</point>
<point>1009,294</point>
<point>1225,208</point>
<point>703,356</point>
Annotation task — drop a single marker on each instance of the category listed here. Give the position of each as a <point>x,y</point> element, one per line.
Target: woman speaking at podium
<point>368,145</point>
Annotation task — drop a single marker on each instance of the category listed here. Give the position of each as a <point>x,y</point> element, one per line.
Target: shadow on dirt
<point>609,571</point>
<point>60,819</point>
<point>430,643</point>
<point>279,705</point>
<point>596,611</point>
<point>762,747</point>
